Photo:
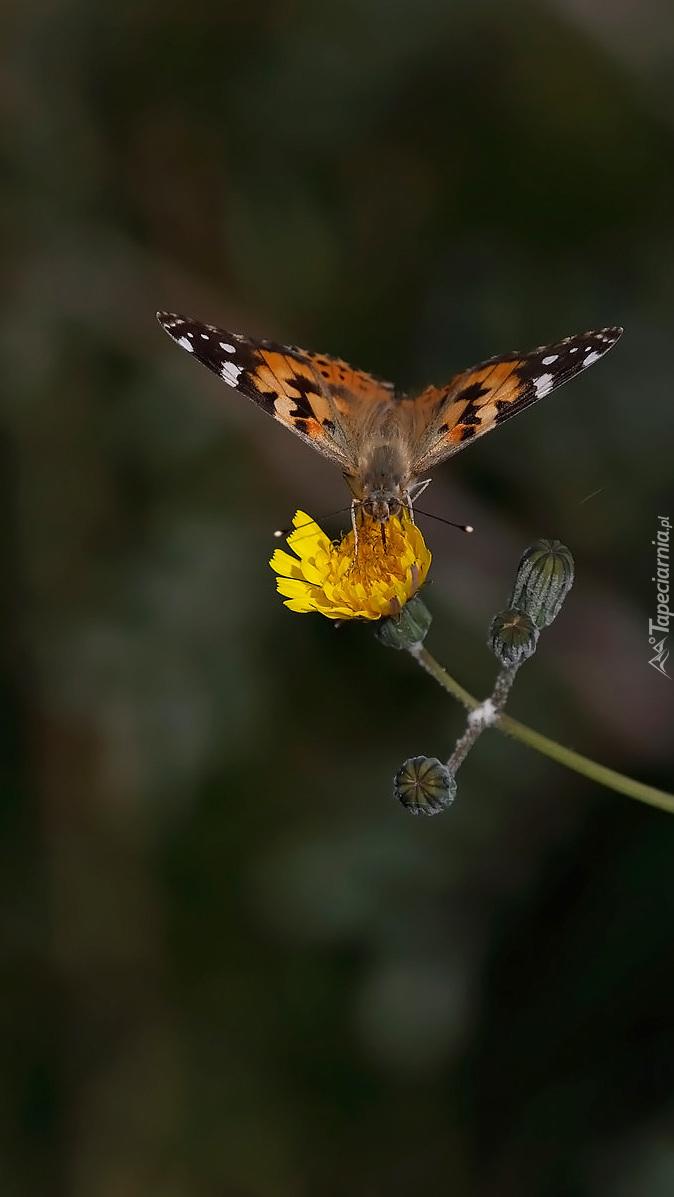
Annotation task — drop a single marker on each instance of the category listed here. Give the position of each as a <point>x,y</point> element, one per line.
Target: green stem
<point>557,752</point>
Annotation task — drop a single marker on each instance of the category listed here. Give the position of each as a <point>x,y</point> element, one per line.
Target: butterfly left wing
<point>321,399</point>
<point>445,419</point>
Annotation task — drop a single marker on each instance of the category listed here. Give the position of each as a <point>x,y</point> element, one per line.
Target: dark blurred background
<point>230,964</point>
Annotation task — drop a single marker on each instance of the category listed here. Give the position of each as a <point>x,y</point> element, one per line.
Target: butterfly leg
<point>354,524</point>
<point>416,489</point>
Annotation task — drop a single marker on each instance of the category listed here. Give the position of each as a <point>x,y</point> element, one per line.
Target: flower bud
<point>513,636</point>
<point>424,785</point>
<point>408,628</point>
<point>544,578</point>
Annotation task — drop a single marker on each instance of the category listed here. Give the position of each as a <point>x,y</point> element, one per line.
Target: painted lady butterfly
<point>383,441</point>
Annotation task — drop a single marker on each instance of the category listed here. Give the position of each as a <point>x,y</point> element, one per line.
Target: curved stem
<point>550,748</point>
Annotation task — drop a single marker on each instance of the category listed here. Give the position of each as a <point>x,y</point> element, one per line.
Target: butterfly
<point>383,440</point>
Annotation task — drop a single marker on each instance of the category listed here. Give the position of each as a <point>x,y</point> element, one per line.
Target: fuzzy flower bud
<point>544,578</point>
<point>424,785</point>
<point>513,637</point>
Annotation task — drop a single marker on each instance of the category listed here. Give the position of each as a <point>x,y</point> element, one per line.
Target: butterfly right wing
<point>319,398</point>
<point>445,419</point>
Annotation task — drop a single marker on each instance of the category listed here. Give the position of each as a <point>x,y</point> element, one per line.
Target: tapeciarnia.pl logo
<point>661,622</point>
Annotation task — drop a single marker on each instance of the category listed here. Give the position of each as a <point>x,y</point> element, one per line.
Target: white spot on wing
<point>591,357</point>
<point>230,373</point>
<point>226,348</point>
<point>543,385</point>
<point>204,336</point>
<point>185,344</point>
<point>573,349</point>
<point>552,357</point>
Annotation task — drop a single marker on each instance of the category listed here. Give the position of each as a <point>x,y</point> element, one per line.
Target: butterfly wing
<point>445,419</point>
<point>320,398</point>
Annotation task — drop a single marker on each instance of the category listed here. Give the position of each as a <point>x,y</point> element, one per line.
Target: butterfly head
<point>381,505</point>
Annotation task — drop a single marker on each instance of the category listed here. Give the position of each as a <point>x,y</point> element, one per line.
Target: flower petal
<point>331,578</point>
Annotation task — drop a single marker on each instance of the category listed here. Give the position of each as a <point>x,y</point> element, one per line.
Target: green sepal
<point>408,628</point>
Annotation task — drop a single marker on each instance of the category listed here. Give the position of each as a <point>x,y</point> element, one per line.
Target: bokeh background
<point>230,964</point>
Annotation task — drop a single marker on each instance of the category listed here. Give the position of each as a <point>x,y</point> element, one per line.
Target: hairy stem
<point>550,748</point>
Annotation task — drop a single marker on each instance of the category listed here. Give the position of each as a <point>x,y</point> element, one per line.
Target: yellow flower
<point>387,571</point>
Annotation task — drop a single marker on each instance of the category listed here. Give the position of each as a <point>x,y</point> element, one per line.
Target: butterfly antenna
<point>284,533</point>
<point>430,515</point>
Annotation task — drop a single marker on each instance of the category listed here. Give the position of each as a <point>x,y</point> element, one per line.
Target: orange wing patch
<point>288,388</point>
<point>482,401</point>
<point>348,388</point>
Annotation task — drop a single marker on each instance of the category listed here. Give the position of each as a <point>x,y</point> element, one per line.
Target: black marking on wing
<point>305,387</point>
<point>472,393</point>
